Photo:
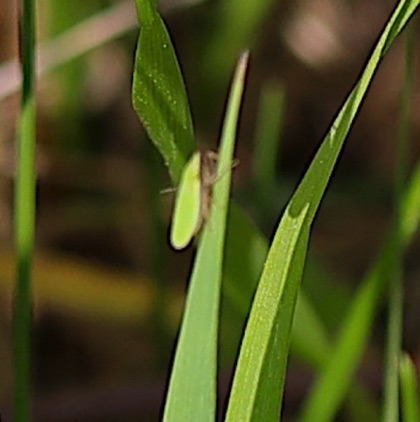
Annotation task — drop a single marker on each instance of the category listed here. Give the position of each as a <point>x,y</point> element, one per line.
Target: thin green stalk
<point>391,395</point>
<point>394,339</point>
<point>25,217</point>
<point>409,390</point>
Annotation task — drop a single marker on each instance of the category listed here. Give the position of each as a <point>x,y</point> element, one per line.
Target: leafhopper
<point>193,198</point>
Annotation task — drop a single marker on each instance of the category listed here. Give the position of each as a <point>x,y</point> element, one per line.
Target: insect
<point>193,198</point>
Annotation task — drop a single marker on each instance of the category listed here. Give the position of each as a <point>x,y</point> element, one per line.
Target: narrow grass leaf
<point>25,217</point>
<point>159,95</point>
<point>259,378</point>
<point>257,388</point>
<point>328,392</point>
<point>411,201</point>
<point>395,314</point>
<point>192,387</point>
<point>409,390</point>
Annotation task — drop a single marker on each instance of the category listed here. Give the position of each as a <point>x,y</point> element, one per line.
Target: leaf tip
<point>243,58</point>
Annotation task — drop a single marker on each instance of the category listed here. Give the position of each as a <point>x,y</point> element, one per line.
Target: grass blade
<point>192,387</point>
<point>159,95</point>
<point>329,390</point>
<point>260,374</point>
<point>259,377</point>
<point>409,390</point>
<point>395,321</point>
<point>25,218</point>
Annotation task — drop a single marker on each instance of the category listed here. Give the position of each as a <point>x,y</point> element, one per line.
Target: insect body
<point>193,198</point>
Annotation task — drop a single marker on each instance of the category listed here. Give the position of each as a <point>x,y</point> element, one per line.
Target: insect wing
<point>186,215</point>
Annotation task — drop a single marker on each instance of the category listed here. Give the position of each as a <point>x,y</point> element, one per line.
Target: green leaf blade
<point>409,390</point>
<point>192,388</point>
<point>263,359</point>
<point>274,335</point>
<point>159,95</point>
<point>329,391</point>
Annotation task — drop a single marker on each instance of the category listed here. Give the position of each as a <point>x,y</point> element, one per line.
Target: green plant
<point>260,373</point>
<point>257,282</point>
<point>25,218</point>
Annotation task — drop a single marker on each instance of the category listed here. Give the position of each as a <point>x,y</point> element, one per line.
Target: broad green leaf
<point>159,95</point>
<point>192,387</point>
<point>259,377</point>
